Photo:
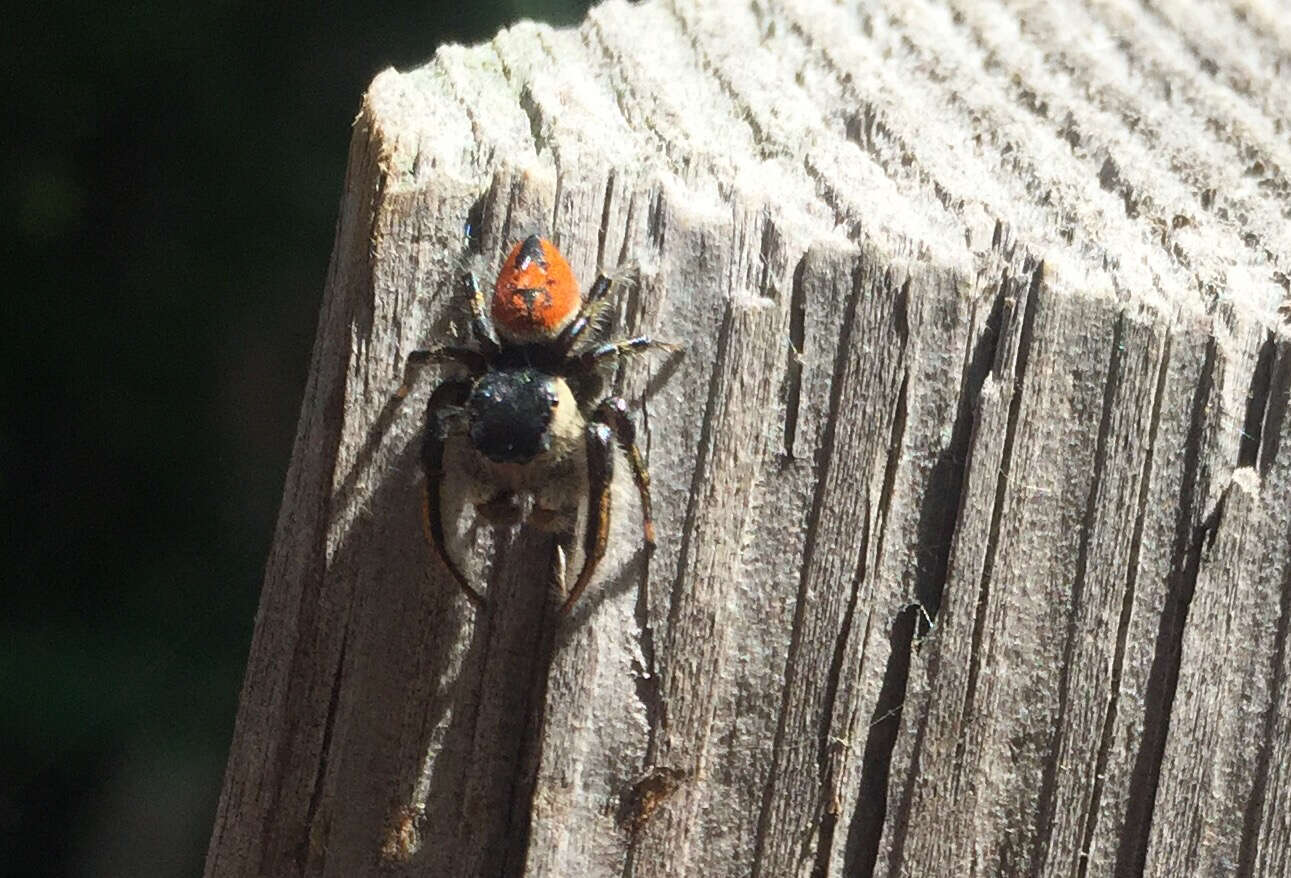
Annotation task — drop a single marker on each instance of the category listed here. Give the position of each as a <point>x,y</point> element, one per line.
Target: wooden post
<point>972,487</point>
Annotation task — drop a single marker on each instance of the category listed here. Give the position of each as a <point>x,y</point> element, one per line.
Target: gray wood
<point>972,486</point>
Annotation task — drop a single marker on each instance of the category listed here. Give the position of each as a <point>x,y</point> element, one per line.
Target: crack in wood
<point>557,200</point>
<point>697,478</point>
<point>1257,404</point>
<point>524,779</point>
<point>1022,353</point>
<point>797,352</point>
<point>1107,735</point>
<point>1252,819</point>
<point>1132,851</point>
<point>939,517</point>
<point>1276,409</point>
<point>865,830</point>
<point>657,220</point>
<point>629,223</point>
<point>829,755</point>
<point>824,457</point>
<point>862,842</point>
<point>1047,800</point>
<point>772,243</point>
<point>646,685</point>
<point>603,229</point>
<point>311,842</point>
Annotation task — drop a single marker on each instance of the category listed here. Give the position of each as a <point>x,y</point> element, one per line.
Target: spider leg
<point>613,411</point>
<point>600,472</point>
<point>446,400</point>
<point>593,304</point>
<point>473,361</point>
<point>600,288</point>
<point>481,324</point>
<point>584,322</point>
<point>589,360</point>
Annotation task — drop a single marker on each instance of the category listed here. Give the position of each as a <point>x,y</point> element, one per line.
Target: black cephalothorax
<point>509,412</point>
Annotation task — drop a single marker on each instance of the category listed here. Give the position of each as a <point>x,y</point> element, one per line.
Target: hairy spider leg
<point>447,399</point>
<point>584,322</point>
<point>627,347</point>
<point>609,421</point>
<point>481,323</point>
<point>600,475</point>
<point>613,411</point>
<point>473,361</point>
<point>593,304</point>
<point>600,288</point>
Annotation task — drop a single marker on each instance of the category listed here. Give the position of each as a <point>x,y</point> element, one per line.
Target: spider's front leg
<point>471,360</point>
<point>481,325</point>
<point>593,303</point>
<point>445,403</point>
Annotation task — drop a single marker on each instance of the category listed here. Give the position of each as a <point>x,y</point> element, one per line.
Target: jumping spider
<point>524,419</point>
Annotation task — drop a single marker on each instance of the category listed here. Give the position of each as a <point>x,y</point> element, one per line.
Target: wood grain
<point>972,484</point>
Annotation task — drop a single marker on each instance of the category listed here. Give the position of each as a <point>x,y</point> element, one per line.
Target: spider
<point>524,418</point>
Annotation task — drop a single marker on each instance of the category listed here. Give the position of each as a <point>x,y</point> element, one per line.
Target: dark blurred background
<point>168,191</point>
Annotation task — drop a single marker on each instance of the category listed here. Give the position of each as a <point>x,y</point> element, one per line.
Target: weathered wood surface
<point>973,486</point>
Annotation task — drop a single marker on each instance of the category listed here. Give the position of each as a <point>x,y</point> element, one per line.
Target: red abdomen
<point>536,295</point>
